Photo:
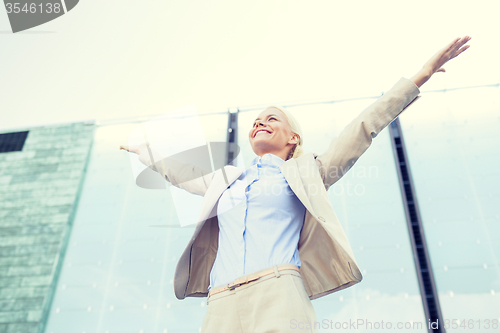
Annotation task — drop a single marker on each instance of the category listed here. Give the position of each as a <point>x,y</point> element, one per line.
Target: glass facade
<point>119,267</point>
<point>118,270</point>
<point>452,141</point>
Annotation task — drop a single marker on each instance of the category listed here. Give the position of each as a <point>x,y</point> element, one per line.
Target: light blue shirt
<point>260,223</point>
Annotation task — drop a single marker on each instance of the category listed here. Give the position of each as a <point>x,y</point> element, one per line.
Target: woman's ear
<point>294,139</point>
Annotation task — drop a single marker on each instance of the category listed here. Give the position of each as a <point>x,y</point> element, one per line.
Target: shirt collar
<point>268,160</point>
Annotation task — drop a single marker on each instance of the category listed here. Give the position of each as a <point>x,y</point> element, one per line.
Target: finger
<point>461,42</point>
<point>460,51</point>
<point>456,44</point>
<point>124,147</point>
<point>450,46</point>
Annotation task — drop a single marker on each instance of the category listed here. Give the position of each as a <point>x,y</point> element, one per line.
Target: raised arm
<point>188,176</point>
<point>356,137</point>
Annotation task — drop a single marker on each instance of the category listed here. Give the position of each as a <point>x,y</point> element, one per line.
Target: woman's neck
<point>282,154</point>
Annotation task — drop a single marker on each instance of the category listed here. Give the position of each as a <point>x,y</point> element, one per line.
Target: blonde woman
<point>274,242</point>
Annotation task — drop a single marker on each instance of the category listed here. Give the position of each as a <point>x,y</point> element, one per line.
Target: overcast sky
<point>115,59</point>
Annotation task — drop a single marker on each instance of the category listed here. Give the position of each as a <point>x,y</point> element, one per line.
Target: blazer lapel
<point>290,171</point>
<point>222,180</point>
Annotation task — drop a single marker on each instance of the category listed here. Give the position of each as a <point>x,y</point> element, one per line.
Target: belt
<point>252,277</point>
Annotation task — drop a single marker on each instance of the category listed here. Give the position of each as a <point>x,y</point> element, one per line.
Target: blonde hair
<point>297,150</point>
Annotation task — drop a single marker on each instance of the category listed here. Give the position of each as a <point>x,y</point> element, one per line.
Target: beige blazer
<point>328,263</point>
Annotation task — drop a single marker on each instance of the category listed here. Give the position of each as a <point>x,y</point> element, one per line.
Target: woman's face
<point>271,133</point>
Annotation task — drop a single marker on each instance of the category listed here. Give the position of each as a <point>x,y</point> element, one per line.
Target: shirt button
<point>321,219</point>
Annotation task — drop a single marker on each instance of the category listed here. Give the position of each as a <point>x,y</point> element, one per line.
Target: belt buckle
<point>236,283</point>
<point>233,285</point>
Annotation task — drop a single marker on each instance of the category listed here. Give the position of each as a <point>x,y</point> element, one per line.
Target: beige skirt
<point>277,302</point>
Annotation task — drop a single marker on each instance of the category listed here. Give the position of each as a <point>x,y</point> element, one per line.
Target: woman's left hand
<point>435,64</point>
<point>449,52</point>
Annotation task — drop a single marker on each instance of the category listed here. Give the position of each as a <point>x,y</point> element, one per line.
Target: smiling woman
<point>276,243</point>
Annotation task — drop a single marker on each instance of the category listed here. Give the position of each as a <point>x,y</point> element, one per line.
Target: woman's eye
<point>272,118</point>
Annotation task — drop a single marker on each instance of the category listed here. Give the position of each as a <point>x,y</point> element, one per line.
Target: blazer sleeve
<point>189,177</point>
<point>356,137</point>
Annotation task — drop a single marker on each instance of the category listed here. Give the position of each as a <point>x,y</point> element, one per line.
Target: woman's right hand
<point>138,149</point>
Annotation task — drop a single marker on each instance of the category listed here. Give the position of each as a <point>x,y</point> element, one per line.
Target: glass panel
<point>118,271</point>
<point>452,141</point>
<point>368,203</point>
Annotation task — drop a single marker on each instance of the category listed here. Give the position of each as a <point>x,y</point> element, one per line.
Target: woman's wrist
<point>422,76</point>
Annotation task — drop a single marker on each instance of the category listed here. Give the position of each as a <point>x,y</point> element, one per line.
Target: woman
<point>269,240</point>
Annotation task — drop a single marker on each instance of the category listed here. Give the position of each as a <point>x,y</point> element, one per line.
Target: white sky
<point>117,59</point>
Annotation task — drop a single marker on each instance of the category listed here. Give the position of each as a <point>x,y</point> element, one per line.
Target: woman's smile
<point>262,131</point>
